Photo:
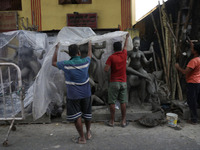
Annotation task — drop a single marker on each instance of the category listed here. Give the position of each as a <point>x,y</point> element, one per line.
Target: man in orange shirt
<point>192,73</point>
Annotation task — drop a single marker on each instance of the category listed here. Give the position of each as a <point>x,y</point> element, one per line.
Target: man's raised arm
<point>89,49</point>
<point>54,59</point>
<point>126,41</point>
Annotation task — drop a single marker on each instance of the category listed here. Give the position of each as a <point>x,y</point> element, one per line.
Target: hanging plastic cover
<point>49,85</point>
<point>26,49</point>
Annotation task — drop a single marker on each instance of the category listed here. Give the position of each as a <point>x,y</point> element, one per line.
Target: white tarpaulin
<point>49,85</point>
<point>26,49</point>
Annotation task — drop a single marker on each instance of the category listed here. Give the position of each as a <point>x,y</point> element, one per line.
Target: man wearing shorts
<point>78,89</point>
<point>118,87</point>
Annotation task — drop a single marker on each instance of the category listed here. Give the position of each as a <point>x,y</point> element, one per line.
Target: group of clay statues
<point>141,85</point>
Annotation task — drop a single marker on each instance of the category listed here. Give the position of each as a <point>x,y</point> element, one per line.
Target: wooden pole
<point>173,58</point>
<point>170,29</point>
<point>175,77</point>
<point>180,93</point>
<point>165,33</point>
<point>161,49</point>
<point>173,71</point>
<point>161,24</point>
<point>177,35</point>
<point>187,18</point>
<point>178,24</point>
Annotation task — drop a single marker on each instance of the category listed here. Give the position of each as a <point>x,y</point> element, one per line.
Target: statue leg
<point>132,83</point>
<point>35,66</point>
<point>24,72</point>
<point>142,90</point>
<point>30,71</point>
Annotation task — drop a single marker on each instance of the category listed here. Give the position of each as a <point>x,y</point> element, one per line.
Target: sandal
<point>125,125</point>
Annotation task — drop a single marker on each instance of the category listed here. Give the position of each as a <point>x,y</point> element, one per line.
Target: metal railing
<point>8,96</point>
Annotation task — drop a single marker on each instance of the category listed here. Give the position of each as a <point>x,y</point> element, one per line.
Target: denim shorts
<point>117,91</point>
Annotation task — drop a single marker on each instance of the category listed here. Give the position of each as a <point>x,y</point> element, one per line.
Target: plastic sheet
<point>49,86</point>
<point>26,49</point>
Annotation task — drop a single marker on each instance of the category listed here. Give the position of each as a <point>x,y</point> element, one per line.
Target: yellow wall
<point>26,13</point>
<point>108,12</point>
<point>54,15</point>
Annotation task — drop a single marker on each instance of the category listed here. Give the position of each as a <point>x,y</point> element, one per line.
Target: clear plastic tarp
<point>44,84</point>
<point>49,86</point>
<point>26,49</point>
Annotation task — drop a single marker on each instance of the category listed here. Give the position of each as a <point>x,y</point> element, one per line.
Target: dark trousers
<point>193,96</point>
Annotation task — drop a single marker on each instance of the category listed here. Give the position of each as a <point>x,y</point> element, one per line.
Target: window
<point>61,2</point>
<point>10,5</point>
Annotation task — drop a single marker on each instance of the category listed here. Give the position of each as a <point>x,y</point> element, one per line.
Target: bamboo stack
<point>169,47</point>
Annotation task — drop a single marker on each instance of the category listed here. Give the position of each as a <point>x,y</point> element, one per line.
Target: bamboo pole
<point>187,18</point>
<point>175,77</point>
<point>161,23</point>
<point>173,70</point>
<point>166,36</point>
<point>189,14</point>
<point>177,35</point>
<point>177,25</point>
<point>169,53</point>
<point>179,89</point>
<point>173,58</point>
<point>171,30</point>
<point>161,49</point>
<point>180,93</point>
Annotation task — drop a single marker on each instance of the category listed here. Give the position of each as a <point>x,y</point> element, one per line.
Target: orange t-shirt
<point>194,75</point>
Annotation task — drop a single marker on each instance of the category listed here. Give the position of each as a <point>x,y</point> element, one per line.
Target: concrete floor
<point>57,136</point>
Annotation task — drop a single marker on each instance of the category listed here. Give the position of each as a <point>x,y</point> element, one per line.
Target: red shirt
<point>194,75</point>
<point>117,62</point>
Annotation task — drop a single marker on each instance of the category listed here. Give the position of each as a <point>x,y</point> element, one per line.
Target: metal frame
<point>12,118</point>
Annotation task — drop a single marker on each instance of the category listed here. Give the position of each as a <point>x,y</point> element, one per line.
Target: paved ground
<point>57,136</point>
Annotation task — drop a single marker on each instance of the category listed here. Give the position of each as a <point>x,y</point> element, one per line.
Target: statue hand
<point>151,59</point>
<point>177,66</point>
<point>96,86</point>
<point>148,78</point>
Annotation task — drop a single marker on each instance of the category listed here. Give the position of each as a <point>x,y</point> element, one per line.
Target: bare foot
<point>89,135</point>
<point>79,140</point>
<point>108,123</point>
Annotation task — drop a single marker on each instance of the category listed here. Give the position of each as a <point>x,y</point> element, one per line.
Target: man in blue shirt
<point>78,89</point>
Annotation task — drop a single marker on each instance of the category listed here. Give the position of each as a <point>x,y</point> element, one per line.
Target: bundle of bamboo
<point>170,42</point>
